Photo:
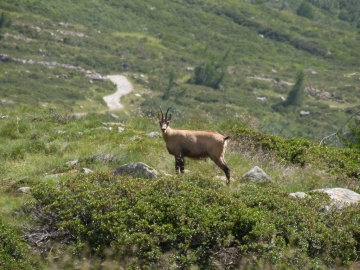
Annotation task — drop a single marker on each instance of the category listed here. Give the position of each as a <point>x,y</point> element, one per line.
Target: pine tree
<point>296,94</point>
<point>305,10</point>
<point>211,72</point>
<point>172,77</point>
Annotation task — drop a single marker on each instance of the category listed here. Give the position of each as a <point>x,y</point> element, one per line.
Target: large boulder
<point>138,169</point>
<point>23,190</point>
<point>341,197</point>
<point>257,175</point>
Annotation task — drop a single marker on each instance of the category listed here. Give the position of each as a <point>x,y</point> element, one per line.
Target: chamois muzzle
<point>163,127</point>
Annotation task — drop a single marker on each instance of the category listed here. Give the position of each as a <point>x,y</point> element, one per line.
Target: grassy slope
<point>157,37</point>
<point>151,40</point>
<point>37,145</point>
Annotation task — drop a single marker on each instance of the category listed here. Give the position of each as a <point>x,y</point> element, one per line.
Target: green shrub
<point>14,254</point>
<point>13,152</point>
<point>290,229</point>
<point>299,151</point>
<point>184,218</point>
<point>14,129</point>
<point>191,222</point>
<point>305,10</point>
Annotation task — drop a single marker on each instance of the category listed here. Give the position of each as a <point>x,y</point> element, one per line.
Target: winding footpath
<point>123,87</point>
<point>113,101</point>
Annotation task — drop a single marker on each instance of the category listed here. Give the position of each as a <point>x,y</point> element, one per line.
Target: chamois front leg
<point>179,164</point>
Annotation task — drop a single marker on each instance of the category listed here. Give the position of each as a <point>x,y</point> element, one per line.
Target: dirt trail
<point>123,87</point>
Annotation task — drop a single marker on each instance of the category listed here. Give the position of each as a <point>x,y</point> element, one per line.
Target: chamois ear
<point>159,117</point>
<point>169,118</point>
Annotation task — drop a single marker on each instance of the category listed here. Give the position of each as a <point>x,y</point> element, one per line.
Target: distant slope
<point>268,44</point>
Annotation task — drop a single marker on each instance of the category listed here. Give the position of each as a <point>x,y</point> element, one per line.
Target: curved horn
<point>167,112</point>
<point>162,115</point>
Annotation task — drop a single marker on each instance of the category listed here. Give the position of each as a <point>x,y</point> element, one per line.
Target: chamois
<point>194,144</point>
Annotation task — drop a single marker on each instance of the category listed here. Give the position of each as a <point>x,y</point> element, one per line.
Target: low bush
<point>189,222</point>
<point>14,254</point>
<point>298,151</point>
<point>305,9</point>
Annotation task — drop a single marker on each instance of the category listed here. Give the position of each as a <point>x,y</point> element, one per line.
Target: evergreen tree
<point>296,94</point>
<point>305,10</point>
<point>211,72</point>
<point>172,77</point>
<point>2,20</point>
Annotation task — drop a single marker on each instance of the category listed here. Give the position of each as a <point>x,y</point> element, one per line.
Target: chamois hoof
<point>224,180</point>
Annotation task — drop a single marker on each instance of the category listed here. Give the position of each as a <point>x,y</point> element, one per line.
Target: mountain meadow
<point>280,77</point>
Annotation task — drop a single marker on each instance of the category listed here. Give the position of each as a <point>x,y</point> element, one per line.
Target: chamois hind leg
<point>222,165</point>
<point>179,164</point>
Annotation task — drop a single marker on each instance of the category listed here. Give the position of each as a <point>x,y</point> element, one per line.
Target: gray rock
<point>72,162</point>
<point>86,170</point>
<point>138,169</point>
<point>154,135</point>
<point>257,175</point>
<point>304,113</point>
<point>298,195</point>
<point>95,76</point>
<point>341,197</point>
<point>23,190</point>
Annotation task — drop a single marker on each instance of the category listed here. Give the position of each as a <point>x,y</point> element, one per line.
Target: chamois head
<point>164,121</point>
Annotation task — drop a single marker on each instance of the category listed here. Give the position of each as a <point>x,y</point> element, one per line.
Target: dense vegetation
<point>193,223</point>
<point>185,221</point>
<point>209,60</point>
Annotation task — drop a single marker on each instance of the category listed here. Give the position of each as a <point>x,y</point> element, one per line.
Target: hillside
<point>222,66</point>
<point>157,44</point>
<point>77,214</point>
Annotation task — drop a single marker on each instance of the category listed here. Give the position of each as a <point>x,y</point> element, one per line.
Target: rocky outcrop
<point>95,76</point>
<point>23,190</point>
<point>257,175</point>
<point>138,169</point>
<point>341,197</point>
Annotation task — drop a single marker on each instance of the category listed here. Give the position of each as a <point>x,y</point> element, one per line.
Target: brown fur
<point>194,144</point>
